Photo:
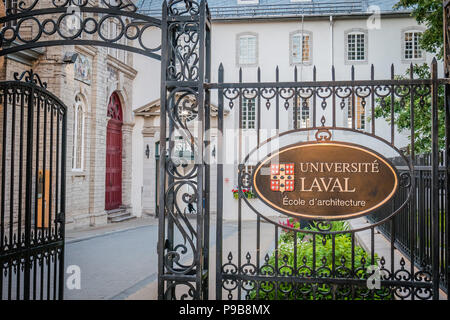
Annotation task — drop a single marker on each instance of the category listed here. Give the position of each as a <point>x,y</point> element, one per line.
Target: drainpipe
<point>332,40</point>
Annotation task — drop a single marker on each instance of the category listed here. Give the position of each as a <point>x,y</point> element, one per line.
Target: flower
<point>287,224</point>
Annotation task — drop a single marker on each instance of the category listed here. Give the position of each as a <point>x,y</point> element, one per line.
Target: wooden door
<point>113,183</point>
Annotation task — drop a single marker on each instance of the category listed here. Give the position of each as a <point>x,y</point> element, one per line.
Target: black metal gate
<point>33,162</point>
<point>186,66</point>
<point>33,125</point>
<point>324,259</point>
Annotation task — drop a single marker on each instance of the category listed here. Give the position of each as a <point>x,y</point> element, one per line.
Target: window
<point>302,113</point>
<point>114,30</point>
<point>248,113</point>
<point>360,114</point>
<point>412,49</point>
<point>11,8</point>
<point>301,48</point>
<point>247,49</point>
<point>356,46</point>
<point>78,134</point>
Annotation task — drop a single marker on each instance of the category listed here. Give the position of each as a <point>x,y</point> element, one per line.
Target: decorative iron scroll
<point>184,182</point>
<point>44,23</point>
<point>30,77</point>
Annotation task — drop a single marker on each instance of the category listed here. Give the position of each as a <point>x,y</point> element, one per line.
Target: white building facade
<point>365,36</point>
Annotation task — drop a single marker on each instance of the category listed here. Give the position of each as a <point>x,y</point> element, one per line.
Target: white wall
<point>384,49</point>
<point>137,167</point>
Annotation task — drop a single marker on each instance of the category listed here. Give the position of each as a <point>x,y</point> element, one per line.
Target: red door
<point>113,183</point>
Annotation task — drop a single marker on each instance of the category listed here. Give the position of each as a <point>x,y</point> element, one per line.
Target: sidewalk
<point>148,289</point>
<point>76,235</point>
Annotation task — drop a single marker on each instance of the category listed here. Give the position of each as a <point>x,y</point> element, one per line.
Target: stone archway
<point>113,180</point>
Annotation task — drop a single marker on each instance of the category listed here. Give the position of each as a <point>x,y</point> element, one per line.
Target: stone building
<point>95,83</point>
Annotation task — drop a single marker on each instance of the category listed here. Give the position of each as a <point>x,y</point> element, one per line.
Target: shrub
<point>323,267</point>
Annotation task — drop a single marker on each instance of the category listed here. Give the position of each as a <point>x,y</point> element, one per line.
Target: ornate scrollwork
<point>323,135</point>
<point>187,293</point>
<point>183,7</point>
<point>77,22</point>
<point>30,77</point>
<point>248,267</point>
<point>405,179</point>
<point>183,65</point>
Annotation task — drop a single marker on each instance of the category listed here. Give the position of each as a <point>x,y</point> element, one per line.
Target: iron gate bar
<point>446,33</point>
<point>435,176</point>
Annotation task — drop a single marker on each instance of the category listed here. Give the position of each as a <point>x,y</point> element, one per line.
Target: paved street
<point>113,263</point>
<point>119,263</point>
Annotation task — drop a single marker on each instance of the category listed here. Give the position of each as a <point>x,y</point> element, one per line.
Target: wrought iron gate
<point>270,271</point>
<point>326,259</point>
<point>33,162</point>
<point>266,271</point>
<point>33,125</point>
<point>185,63</point>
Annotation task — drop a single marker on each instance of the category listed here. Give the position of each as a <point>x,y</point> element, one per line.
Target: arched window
<point>78,134</point>
<point>115,108</point>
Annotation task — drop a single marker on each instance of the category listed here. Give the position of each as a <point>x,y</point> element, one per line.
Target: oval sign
<point>332,180</point>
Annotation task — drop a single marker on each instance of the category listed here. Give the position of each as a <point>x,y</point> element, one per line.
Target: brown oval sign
<point>332,180</point>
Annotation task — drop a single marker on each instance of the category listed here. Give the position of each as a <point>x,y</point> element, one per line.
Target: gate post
<point>185,68</point>
<point>447,133</point>
<point>435,179</point>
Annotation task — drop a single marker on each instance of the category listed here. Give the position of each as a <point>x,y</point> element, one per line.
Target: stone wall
<point>85,189</point>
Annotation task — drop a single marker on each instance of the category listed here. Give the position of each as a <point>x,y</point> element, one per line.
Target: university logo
<point>282,177</point>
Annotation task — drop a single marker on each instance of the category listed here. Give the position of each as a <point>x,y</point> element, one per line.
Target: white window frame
<point>239,61</point>
<point>356,32</point>
<point>302,34</point>
<point>248,116</point>
<point>361,115</point>
<point>302,122</point>
<point>113,32</point>
<point>79,104</point>
<point>415,45</point>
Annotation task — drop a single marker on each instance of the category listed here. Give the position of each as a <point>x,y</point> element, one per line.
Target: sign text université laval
<point>325,180</point>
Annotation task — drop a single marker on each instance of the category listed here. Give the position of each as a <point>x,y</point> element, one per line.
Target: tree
<point>422,110</point>
<point>429,13</point>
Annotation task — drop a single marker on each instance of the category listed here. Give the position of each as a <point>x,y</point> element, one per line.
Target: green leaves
<point>429,13</point>
<point>422,111</point>
<point>318,256</point>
